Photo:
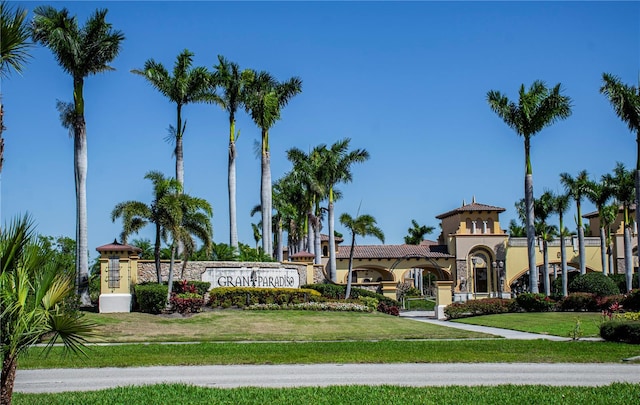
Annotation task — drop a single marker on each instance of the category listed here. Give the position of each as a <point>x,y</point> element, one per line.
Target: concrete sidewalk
<point>429,317</point>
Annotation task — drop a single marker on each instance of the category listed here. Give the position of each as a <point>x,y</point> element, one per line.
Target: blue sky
<point>405,80</point>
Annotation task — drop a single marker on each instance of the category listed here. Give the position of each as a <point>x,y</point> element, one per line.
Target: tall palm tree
<point>543,207</point>
<point>14,51</point>
<point>625,101</point>
<point>578,188</point>
<point>336,169</point>
<point>231,80</point>
<point>81,52</point>
<point>537,108</point>
<point>362,225</point>
<point>33,287</point>
<point>187,85</point>
<point>264,99</point>
<point>622,184</point>
<point>599,194</point>
<point>560,204</point>
<point>417,233</point>
<point>136,215</point>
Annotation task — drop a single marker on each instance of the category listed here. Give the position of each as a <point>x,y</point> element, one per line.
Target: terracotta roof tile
<point>426,249</point>
<point>325,238</point>
<point>115,246</point>
<point>302,254</point>
<point>471,208</point>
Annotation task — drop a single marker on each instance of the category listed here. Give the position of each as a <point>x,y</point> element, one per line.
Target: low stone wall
<point>194,270</point>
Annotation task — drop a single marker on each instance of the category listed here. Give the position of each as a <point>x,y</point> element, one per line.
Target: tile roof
<point>594,214</point>
<point>302,254</point>
<point>474,206</point>
<point>325,238</point>
<point>425,249</point>
<point>115,246</point>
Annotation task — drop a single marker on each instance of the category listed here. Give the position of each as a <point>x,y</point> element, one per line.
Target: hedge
<point>621,281</point>
<point>151,297</point>
<point>532,302</point>
<point>631,301</point>
<point>201,287</point>
<point>594,283</point>
<point>240,297</point>
<point>337,291</point>
<point>621,331</point>
<point>479,307</point>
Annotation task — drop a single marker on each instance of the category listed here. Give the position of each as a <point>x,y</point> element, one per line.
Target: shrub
<point>556,285</point>
<point>621,281</point>
<point>621,331</point>
<point>240,297</point>
<point>151,297</point>
<point>531,302</point>
<point>605,303</point>
<point>370,302</point>
<point>413,292</point>
<point>313,306</point>
<point>388,309</point>
<point>595,283</point>
<point>631,301</point>
<point>184,286</point>
<point>579,302</point>
<point>337,291</point>
<point>94,287</point>
<point>479,307</point>
<point>187,303</point>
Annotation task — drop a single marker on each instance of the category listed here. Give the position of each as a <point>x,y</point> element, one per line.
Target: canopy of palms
<point>625,101</point>
<point>264,99</point>
<point>231,80</point>
<point>578,188</point>
<point>187,85</point>
<point>536,109</point>
<point>33,288</point>
<point>362,225</point>
<point>599,194</point>
<point>417,232</point>
<point>81,52</point>
<point>560,205</point>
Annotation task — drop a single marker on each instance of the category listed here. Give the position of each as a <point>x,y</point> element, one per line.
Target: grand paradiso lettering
<point>251,277</point>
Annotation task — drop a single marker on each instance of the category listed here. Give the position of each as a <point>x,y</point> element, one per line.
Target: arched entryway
<point>485,278</point>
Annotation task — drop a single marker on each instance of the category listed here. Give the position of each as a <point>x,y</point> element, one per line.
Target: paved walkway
<point>429,317</point>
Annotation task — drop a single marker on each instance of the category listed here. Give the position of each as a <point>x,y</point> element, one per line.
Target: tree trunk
<point>563,260</point>
<point>603,250</point>
<point>80,170</point>
<point>233,226</point>
<point>349,273</point>
<point>279,249</point>
<point>531,233</point>
<point>332,239</point>
<point>581,248</point>
<point>265,195</point>
<point>1,154</point>
<point>317,242</point>
<point>156,254</point>
<point>545,269</point>
<point>310,242</point>
<point>8,378</point>
<point>178,150</point>
<point>637,184</point>
<point>170,278</point>
<point>628,258</point>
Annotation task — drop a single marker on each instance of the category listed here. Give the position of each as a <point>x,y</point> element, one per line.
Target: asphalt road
<point>59,380</point>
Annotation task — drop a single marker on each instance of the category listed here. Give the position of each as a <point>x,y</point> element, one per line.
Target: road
<point>83,379</point>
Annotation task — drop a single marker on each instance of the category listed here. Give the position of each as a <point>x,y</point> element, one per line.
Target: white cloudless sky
<point>405,80</point>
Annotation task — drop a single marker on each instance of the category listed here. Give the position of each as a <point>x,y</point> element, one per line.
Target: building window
<point>325,251</point>
<point>114,272</point>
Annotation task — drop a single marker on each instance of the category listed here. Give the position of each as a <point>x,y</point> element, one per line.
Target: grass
<point>451,351</point>
<point>616,393</point>
<point>419,304</point>
<point>238,325</point>
<point>546,323</point>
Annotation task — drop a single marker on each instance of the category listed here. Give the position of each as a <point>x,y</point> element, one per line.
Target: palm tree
<point>543,206</point>
<point>81,52</point>
<point>187,85</point>
<point>336,168</point>
<point>622,184</point>
<point>416,233</point>
<point>33,287</point>
<point>136,215</point>
<point>578,188</point>
<point>560,204</point>
<point>625,101</point>
<point>537,108</point>
<point>228,76</point>
<point>362,225</point>
<point>14,51</point>
<point>599,194</point>
<point>264,99</point>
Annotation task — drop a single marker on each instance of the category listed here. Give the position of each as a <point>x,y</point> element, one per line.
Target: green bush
<point>631,301</point>
<point>370,302</point>
<point>556,285</point>
<point>579,302</point>
<point>479,307</point>
<point>240,297</point>
<point>621,331</point>
<point>337,291</point>
<point>594,283</point>
<point>621,281</point>
<point>94,287</point>
<point>531,302</point>
<point>384,308</point>
<point>151,297</point>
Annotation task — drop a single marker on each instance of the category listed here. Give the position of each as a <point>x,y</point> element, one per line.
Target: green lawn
<point>546,323</point>
<point>343,395</point>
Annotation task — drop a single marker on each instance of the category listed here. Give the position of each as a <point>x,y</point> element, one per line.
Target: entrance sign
<point>251,277</point>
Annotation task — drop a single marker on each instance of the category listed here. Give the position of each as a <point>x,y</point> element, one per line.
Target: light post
<point>499,266</point>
